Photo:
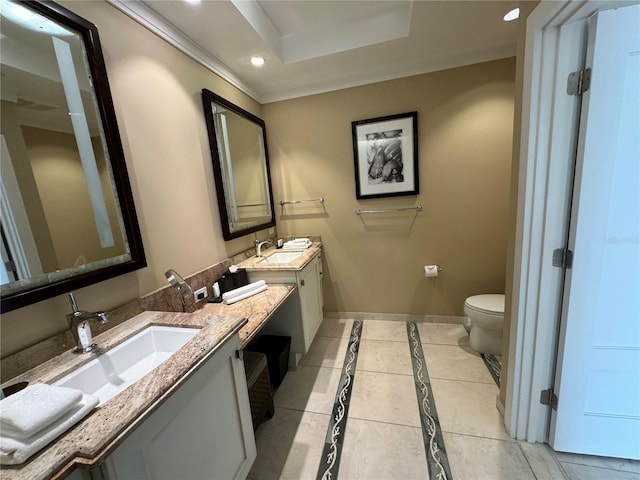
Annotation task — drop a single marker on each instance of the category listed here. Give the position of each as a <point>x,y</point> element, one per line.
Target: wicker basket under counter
<point>259,385</point>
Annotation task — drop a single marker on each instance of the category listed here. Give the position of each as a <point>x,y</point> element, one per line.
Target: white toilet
<point>486,315</point>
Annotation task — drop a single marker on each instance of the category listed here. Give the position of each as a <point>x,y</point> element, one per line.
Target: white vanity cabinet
<point>203,430</point>
<point>309,281</point>
<point>308,311</point>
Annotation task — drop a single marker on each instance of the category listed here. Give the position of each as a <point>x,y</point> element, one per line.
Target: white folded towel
<point>297,244</point>
<point>242,290</point>
<point>30,410</point>
<point>247,294</point>
<point>14,451</point>
<point>300,240</point>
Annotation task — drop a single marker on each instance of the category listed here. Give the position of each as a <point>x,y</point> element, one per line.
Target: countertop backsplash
<point>164,299</point>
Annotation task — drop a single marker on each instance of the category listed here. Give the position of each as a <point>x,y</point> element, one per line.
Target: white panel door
<point>598,370</point>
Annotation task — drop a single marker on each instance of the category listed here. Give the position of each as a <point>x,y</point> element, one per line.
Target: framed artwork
<point>385,152</point>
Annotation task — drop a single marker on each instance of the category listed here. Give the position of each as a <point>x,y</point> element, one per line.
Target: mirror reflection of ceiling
<point>31,79</point>
<point>317,46</point>
<point>51,146</point>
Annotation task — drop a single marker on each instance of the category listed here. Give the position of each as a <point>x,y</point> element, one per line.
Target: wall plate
<point>200,294</point>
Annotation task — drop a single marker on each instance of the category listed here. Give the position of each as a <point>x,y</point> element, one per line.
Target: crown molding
<point>157,24</point>
<point>174,36</point>
<point>496,52</point>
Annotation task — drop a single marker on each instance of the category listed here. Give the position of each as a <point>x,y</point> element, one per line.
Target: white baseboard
<point>397,317</point>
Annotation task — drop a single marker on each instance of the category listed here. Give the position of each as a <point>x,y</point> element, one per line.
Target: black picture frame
<point>385,153</point>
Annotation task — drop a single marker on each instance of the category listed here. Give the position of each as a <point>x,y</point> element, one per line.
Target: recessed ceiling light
<point>193,2</point>
<point>512,15</point>
<point>257,61</point>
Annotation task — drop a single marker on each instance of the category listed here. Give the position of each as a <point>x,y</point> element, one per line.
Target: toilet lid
<point>492,303</point>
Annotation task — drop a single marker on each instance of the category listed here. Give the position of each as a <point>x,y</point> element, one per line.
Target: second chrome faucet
<point>259,244</point>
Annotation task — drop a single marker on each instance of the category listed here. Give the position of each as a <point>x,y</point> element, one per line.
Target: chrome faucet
<point>259,244</point>
<point>80,328</point>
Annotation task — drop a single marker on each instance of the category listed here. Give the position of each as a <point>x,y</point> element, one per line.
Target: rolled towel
<point>14,451</point>
<point>30,410</point>
<point>242,290</point>
<point>248,294</point>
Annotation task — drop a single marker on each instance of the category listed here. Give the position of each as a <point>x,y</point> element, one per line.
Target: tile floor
<point>383,437</point>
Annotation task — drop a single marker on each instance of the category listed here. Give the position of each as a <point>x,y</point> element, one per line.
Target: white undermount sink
<point>113,371</point>
<point>281,257</point>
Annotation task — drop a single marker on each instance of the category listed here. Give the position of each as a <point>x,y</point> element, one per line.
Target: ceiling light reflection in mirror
<point>24,17</point>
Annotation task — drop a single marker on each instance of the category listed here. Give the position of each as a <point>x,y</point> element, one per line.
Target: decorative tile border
<point>493,365</point>
<point>437,460</point>
<point>330,460</point>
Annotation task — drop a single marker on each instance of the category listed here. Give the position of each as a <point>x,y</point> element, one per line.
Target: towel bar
<point>384,210</point>
<point>253,205</point>
<point>289,202</point>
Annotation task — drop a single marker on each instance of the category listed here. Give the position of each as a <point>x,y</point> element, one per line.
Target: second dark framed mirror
<point>238,142</point>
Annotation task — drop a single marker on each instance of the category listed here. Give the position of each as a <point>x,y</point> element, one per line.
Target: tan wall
<point>374,263</point>
<point>37,222</point>
<point>63,190</point>
<point>248,180</point>
<point>156,91</point>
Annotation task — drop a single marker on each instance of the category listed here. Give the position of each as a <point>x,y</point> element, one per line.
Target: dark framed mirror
<point>68,216</point>
<point>238,142</point>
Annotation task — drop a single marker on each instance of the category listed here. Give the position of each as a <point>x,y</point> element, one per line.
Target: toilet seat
<point>491,304</point>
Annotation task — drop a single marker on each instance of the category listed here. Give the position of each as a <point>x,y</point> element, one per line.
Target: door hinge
<point>548,397</point>
<point>240,354</point>
<point>578,82</point>
<point>563,258</point>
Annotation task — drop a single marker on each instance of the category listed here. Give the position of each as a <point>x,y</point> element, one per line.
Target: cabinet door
<point>320,289</point>
<point>310,300</point>
<point>202,431</point>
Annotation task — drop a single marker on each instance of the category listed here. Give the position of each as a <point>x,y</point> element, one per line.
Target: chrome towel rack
<point>384,210</point>
<point>314,200</point>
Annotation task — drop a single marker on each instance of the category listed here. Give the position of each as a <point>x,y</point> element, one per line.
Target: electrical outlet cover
<point>200,294</point>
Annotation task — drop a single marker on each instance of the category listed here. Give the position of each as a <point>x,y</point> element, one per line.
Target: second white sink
<point>281,257</point>
<point>113,371</point>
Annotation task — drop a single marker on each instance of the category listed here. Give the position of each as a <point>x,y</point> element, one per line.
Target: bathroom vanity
<point>190,415</point>
<point>300,317</point>
<point>204,427</point>
<point>197,399</point>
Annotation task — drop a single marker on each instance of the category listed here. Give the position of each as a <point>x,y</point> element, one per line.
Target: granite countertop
<point>257,309</point>
<point>90,441</point>
<point>308,254</point>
